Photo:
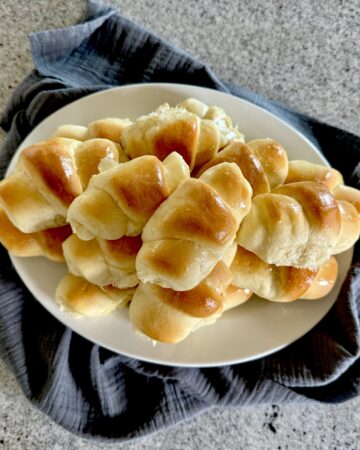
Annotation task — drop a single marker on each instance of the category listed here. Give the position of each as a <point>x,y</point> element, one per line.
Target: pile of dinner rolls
<point>176,215</point>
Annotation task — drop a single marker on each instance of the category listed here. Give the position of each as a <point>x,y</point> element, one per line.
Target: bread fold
<point>193,229</point>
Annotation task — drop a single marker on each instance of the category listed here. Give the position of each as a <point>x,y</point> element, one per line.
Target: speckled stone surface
<point>305,54</point>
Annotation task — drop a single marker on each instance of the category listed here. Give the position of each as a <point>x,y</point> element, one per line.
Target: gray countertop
<point>305,54</point>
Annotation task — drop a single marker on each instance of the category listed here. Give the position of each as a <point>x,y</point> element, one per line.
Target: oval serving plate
<point>247,332</point>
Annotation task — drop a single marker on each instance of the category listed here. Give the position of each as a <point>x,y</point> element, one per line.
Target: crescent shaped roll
<point>194,228</point>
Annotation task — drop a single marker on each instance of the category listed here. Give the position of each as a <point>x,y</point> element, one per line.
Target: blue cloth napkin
<point>92,391</point>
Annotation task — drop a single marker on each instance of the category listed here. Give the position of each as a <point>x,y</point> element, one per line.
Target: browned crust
<point>180,136</point>
<point>52,239</point>
<point>110,128</point>
<point>305,171</point>
<point>198,302</point>
<point>170,257</point>
<point>205,299</point>
<point>242,155</point>
<point>42,243</point>
<point>127,246</point>
<point>53,162</point>
<point>348,194</point>
<point>141,186</point>
<point>324,280</point>
<point>294,282</point>
<point>205,216</point>
<point>319,205</point>
<point>90,153</point>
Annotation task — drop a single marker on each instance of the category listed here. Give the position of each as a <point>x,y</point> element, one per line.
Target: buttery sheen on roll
<point>194,228</point>
<point>297,224</point>
<point>126,195</point>
<point>80,297</point>
<point>169,316</point>
<point>182,129</point>
<point>48,177</point>
<point>214,117</point>
<point>281,283</point>
<point>110,128</point>
<point>263,162</point>
<point>103,262</point>
<point>46,243</point>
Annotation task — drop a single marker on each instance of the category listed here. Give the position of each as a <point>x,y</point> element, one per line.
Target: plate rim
<point>150,359</point>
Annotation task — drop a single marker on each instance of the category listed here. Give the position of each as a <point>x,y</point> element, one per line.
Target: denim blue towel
<point>92,391</point>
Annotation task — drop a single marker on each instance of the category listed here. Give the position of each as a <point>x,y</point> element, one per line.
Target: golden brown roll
<point>235,296</point>
<point>273,160</point>
<point>211,136</point>
<point>348,197</point>
<point>348,194</point>
<point>46,243</point>
<point>111,128</point>
<point>161,132</point>
<point>216,129</point>
<point>120,200</point>
<point>297,225</point>
<point>263,163</point>
<point>49,176</point>
<point>195,106</point>
<point>305,171</point>
<point>103,262</point>
<point>324,280</point>
<point>90,153</point>
<point>79,296</point>
<point>37,194</point>
<point>194,228</point>
<point>350,227</point>
<point>77,132</point>
<point>281,283</point>
<point>174,129</point>
<point>169,316</point>
<point>227,131</point>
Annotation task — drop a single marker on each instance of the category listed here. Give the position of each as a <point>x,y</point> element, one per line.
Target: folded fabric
<point>92,391</point>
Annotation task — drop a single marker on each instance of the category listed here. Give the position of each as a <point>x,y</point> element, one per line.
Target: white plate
<point>248,332</point>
